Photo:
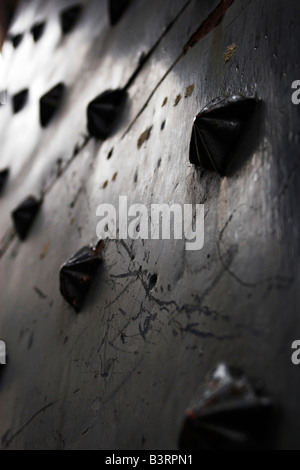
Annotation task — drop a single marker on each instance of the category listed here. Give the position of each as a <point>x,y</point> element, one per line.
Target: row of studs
<point>69,18</point>
<point>215,130</point>
<point>99,123</point>
<point>215,133</point>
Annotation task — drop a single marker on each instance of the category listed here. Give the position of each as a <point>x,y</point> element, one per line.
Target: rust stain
<point>45,251</point>
<point>177,99</point>
<point>98,250</point>
<point>144,137</point>
<point>230,51</point>
<point>213,20</point>
<point>189,90</point>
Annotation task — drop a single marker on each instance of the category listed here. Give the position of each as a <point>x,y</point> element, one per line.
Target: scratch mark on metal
<point>213,20</point>
<point>7,441</point>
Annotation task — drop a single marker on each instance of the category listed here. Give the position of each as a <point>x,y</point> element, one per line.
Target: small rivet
<point>23,216</point>
<point>50,102</point>
<point>19,101</point>
<point>153,281</point>
<point>116,10</point>
<point>69,18</point>
<point>37,30</point>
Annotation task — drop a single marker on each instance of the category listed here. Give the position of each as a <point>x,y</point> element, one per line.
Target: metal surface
<point>157,318</point>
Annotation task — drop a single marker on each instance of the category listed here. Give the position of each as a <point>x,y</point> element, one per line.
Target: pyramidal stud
<point>102,112</point>
<point>216,131</point>
<point>3,178</point>
<point>16,40</point>
<point>69,17</point>
<point>116,10</point>
<point>23,216</point>
<point>78,274</point>
<point>37,30</point>
<point>49,104</point>
<point>230,414</point>
<point>19,101</point>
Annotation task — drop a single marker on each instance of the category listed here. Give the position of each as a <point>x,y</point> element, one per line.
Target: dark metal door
<point>157,318</point>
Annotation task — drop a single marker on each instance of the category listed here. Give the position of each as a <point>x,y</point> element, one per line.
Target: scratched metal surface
<point>120,374</point>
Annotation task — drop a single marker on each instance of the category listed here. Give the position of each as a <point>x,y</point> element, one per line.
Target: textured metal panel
<point>120,374</point>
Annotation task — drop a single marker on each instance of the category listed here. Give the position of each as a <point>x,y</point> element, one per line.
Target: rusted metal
<point>213,20</point>
<point>216,131</point>
<point>7,8</point>
<point>16,40</point>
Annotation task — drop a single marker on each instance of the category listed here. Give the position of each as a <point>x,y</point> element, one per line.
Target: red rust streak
<point>213,20</point>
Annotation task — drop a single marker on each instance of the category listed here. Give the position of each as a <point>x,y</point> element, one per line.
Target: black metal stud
<point>102,112</point>
<point>19,101</point>
<point>23,216</point>
<point>216,131</point>
<point>78,274</point>
<point>117,9</point>
<point>50,102</point>
<point>69,18</point>
<point>229,415</point>
<point>16,40</point>
<point>37,30</point>
<point>3,178</point>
